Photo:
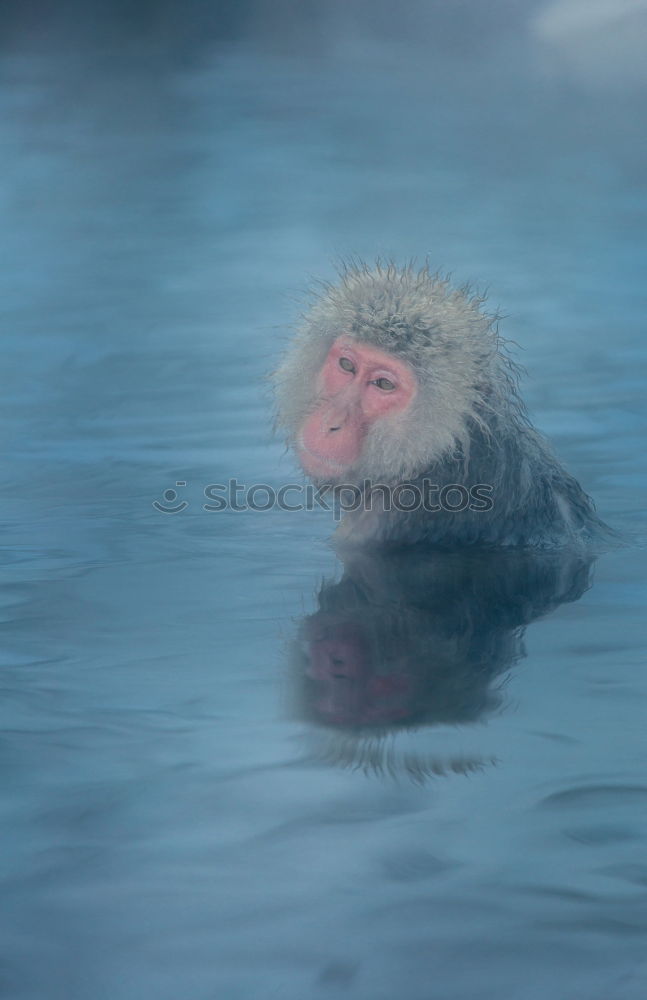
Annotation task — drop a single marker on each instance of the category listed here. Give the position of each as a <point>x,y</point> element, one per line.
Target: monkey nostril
<point>331,429</point>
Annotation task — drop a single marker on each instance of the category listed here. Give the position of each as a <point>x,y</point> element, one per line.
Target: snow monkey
<point>398,388</point>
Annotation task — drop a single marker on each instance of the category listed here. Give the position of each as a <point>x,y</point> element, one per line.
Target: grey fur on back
<point>467,424</point>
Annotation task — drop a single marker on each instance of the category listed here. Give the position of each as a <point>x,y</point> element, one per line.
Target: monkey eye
<point>385,384</point>
<point>346,364</point>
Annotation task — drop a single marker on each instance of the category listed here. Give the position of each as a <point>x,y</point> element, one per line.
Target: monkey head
<point>386,374</point>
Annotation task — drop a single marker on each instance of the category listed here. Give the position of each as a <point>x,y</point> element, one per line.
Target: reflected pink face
<point>356,386</point>
<point>348,691</point>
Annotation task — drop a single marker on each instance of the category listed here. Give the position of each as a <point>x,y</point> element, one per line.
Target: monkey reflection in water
<point>408,639</point>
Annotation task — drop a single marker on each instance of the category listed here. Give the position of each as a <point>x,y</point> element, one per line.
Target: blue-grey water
<point>176,822</point>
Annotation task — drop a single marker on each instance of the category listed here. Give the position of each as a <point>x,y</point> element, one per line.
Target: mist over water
<point>176,822</point>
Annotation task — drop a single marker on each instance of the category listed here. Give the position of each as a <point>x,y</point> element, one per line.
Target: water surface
<point>173,823</point>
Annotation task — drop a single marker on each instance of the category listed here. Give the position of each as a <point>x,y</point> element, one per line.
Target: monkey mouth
<point>316,464</point>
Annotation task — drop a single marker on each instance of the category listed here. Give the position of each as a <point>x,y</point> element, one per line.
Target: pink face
<point>356,386</point>
<point>348,692</point>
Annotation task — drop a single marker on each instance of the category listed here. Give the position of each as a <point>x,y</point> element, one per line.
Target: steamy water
<point>179,817</point>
